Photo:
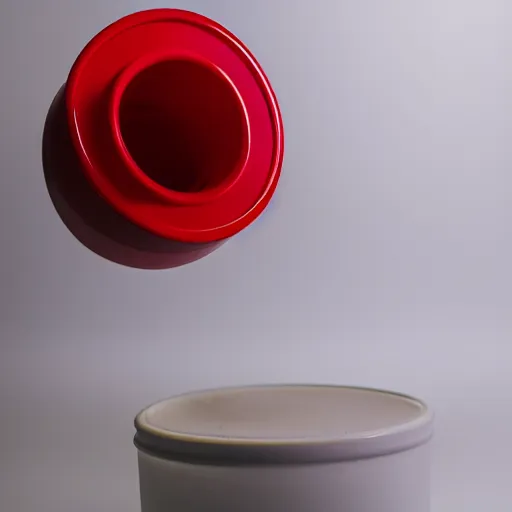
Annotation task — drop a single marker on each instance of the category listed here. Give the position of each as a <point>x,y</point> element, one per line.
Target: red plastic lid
<point>176,125</point>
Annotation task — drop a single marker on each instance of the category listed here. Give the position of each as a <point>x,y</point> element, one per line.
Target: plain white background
<point>385,259</point>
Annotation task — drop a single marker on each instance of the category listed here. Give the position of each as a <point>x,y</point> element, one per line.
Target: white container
<point>285,449</point>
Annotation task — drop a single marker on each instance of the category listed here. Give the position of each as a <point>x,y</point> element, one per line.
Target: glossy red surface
<point>173,126</point>
<point>91,219</point>
<point>193,93</point>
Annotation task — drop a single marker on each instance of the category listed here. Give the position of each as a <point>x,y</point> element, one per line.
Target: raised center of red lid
<point>182,126</point>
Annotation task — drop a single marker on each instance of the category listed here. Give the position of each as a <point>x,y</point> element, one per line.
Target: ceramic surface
<point>275,448</point>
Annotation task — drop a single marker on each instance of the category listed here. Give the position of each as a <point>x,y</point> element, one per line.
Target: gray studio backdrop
<point>384,260</point>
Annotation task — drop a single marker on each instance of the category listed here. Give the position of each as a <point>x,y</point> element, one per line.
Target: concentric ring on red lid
<point>240,130</point>
<point>226,189</point>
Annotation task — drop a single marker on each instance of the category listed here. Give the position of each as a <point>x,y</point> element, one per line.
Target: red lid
<point>176,125</point>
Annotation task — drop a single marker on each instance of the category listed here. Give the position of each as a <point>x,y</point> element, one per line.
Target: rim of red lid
<point>93,92</point>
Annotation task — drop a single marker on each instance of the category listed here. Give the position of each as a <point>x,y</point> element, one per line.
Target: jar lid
<point>282,424</point>
<point>176,125</point>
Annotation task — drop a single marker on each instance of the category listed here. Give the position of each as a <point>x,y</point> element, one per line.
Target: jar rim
<point>160,431</point>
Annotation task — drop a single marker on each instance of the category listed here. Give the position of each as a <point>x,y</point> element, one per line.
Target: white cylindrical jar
<point>285,448</point>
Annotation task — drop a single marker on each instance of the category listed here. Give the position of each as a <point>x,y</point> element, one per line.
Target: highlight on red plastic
<point>165,141</point>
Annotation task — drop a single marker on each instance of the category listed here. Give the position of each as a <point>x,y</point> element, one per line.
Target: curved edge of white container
<point>284,424</point>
